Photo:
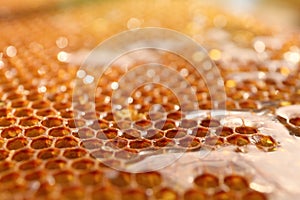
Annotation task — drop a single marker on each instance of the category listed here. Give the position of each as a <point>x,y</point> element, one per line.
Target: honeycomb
<point>51,149</point>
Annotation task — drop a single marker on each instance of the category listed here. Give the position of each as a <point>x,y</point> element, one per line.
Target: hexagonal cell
<point>210,123</point>
<point>91,144</point>
<point>91,115</point>
<point>105,193</point>
<point>194,194</point>
<point>140,144</point>
<point>46,112</point>
<point>153,116</point>
<point>236,182</point>
<point>50,122</point>
<point>127,154</point>
<point>224,131</point>
<point>149,179</point>
<point>19,103</point>
<point>109,116</point>
<point>134,194</point>
<point>164,142</point>
<point>189,142</point>
<point>7,121</point>
<point>188,123</point>
<point>102,154</point>
<point>75,123</point>
<point>131,134</point>
<point>154,134</point>
<point>4,112</point>
<point>6,165</point>
<point>67,113</point>
<point>48,153</point>
<point>100,124</point>
<point>63,177</point>
<point>176,133</point>
<point>16,143</point>
<point>35,176</point>
<point>165,124</point>
<point>91,177</point>
<point>9,178</point>
<point>29,165</point>
<point>265,142</point>
<point>23,154</point>
<point>41,143</point>
<point>166,194</point>
<point>109,133</point>
<point>66,142</point>
<point>246,130</point>
<point>200,131</point>
<point>29,121</point>
<point>143,124</point>
<point>33,96</point>
<point>59,131</point>
<point>207,181</point>
<point>239,140</point>
<point>61,105</point>
<point>248,104</point>
<point>117,143</point>
<point>83,164</point>
<point>214,141</point>
<point>121,179</point>
<point>44,190</point>
<point>254,195</point>
<point>55,164</point>
<point>74,153</point>
<point>11,132</point>
<point>177,115</point>
<point>23,112</point>
<point>3,154</point>
<point>85,133</point>
<point>34,131</point>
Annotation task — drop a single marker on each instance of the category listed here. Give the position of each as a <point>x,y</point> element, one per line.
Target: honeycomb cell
<point>90,115</point>
<point>83,164</point>
<point>3,154</point>
<point>40,104</point>
<point>246,130</point>
<point>153,116</point>
<point>35,176</point>
<point>200,131</point>
<point>140,144</point>
<point>239,140</point>
<point>134,194</point>
<point>177,115</point>
<point>41,143</point>
<point>189,142</point>
<point>121,179</point>
<point>5,166</point>
<point>48,153</point>
<point>194,194</point>
<point>109,116</point>
<point>222,195</point>
<point>67,114</point>
<point>63,177</point>
<point>61,105</point>
<point>117,143</point>
<point>102,107</point>
<point>13,95</point>
<point>214,141</point>
<point>50,122</point>
<point>123,124</point>
<point>127,154</point>
<point>66,142</point>
<point>154,134</point>
<point>102,154</point>
<point>46,112</point>
<point>85,133</point>
<point>254,195</point>
<point>236,182</point>
<point>295,121</point>
<point>207,181</point>
<point>131,134</point>
<point>165,124</point>
<point>224,131</point>
<point>265,142</point>
<point>9,178</point>
<point>164,142</point>
<point>248,104</point>
<point>16,143</point>
<point>176,133</point>
<point>74,153</point>
<point>91,177</point>
<point>23,154</point>
<point>29,165</point>
<point>33,96</point>
<point>210,122</point>
<point>188,123</point>
<point>166,194</point>
<point>7,121</point>
<point>29,121</point>
<point>23,112</point>
<point>44,190</point>
<point>100,124</point>
<point>55,164</point>
<point>59,131</point>
<point>11,132</point>
<point>91,144</point>
<point>105,193</point>
<point>75,123</point>
<point>20,103</point>
<point>149,179</point>
<point>143,124</point>
<point>109,133</point>
<point>4,112</point>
